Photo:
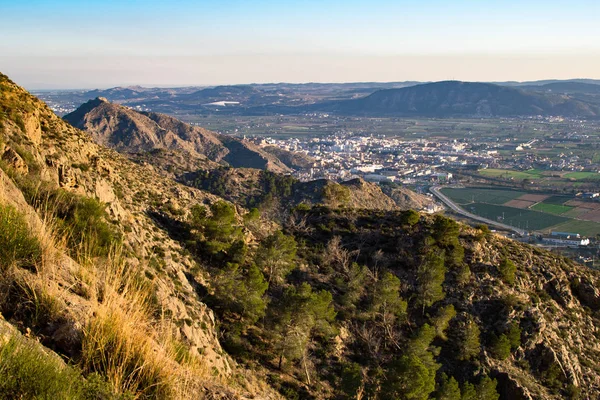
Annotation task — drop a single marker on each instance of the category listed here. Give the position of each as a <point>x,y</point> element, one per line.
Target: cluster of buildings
<point>379,158</point>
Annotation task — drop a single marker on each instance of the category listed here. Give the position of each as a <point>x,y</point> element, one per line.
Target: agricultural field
<point>509,174</point>
<point>583,175</point>
<point>491,196</point>
<point>519,218</point>
<point>530,211</point>
<point>545,179</point>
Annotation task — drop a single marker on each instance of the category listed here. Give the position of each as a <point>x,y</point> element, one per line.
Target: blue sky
<point>103,43</point>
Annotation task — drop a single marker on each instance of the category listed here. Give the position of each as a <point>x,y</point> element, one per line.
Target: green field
<point>492,196</point>
<point>507,174</point>
<point>523,219</point>
<point>585,228</point>
<point>551,208</point>
<point>583,175</point>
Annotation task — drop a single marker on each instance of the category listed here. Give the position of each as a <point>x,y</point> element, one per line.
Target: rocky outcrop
<point>14,160</point>
<point>587,292</point>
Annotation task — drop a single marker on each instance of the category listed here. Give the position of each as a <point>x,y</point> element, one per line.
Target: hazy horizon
<point>69,44</point>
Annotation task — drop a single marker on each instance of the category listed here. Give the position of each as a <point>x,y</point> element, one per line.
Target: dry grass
<point>124,342</point>
<point>122,339</point>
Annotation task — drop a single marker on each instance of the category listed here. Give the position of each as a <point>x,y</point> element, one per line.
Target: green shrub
<point>28,372</point>
<point>18,246</point>
<point>507,271</point>
<point>501,347</point>
<point>83,220</point>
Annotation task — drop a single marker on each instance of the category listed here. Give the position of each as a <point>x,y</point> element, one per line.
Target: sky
<point>97,44</point>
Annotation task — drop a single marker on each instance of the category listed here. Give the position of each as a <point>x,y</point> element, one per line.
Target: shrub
<point>18,246</point>
<point>507,271</point>
<point>501,347</point>
<point>28,372</point>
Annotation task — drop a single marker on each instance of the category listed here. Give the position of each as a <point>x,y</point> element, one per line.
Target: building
<point>567,242</point>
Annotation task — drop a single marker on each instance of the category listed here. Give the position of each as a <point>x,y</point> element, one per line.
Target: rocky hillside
<point>99,258</point>
<point>117,282</point>
<point>454,98</point>
<point>130,131</point>
<point>276,194</point>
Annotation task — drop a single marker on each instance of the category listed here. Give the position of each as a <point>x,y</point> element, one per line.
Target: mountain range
<point>571,98</point>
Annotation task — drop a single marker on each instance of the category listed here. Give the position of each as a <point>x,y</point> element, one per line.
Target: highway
<point>436,191</point>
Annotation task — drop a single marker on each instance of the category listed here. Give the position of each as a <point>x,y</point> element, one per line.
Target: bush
<point>17,244</point>
<point>28,372</point>
<point>507,271</point>
<point>501,347</point>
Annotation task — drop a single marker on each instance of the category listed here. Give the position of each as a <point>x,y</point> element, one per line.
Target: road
<point>436,191</point>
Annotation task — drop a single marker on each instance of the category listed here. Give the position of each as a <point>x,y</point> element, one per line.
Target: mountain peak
<point>131,131</point>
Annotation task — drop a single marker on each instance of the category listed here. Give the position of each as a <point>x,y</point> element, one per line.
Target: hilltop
<point>127,130</point>
<point>148,288</point>
<point>455,98</point>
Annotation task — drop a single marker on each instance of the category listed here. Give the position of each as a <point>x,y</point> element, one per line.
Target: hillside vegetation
<point>118,282</point>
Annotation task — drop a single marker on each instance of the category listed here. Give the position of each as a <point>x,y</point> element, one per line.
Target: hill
<point>275,194</point>
<point>150,289</point>
<point>453,98</point>
<point>130,131</point>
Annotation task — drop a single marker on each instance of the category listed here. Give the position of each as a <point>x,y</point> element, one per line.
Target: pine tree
<point>276,256</point>
<point>442,320</point>
<point>302,314</point>
<point>486,389</point>
<point>430,277</point>
<point>500,347</point>
<point>507,271</point>
<point>448,389</point>
<point>469,345</point>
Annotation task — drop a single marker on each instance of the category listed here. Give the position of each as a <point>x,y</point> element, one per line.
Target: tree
<point>514,336</point>
<point>469,345</point>
<point>301,315</point>
<point>486,389</point>
<point>442,320</point>
<point>407,379</point>
<point>412,377</point>
<point>430,277</point>
<point>507,271</point>
<point>252,220</point>
<point>468,392</point>
<point>352,285</point>
<point>352,380</point>
<point>500,347</point>
<point>386,304</point>
<point>448,389</point>
<point>276,256</point>
<point>410,218</point>
<point>220,229</point>
<point>242,292</point>
<point>386,297</point>
<point>445,231</point>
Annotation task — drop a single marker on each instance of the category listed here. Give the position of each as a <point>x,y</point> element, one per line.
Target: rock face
<point>14,160</point>
<point>130,131</point>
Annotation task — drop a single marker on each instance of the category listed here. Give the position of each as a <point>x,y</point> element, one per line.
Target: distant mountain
<point>454,98</point>
<point>131,131</point>
<point>547,81</point>
<point>566,87</point>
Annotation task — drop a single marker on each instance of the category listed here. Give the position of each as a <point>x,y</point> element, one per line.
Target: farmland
<point>530,211</point>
